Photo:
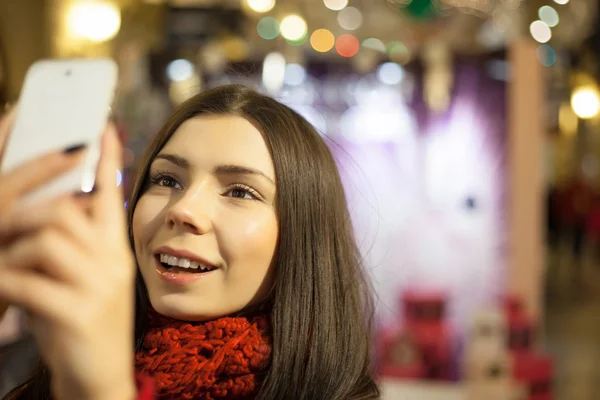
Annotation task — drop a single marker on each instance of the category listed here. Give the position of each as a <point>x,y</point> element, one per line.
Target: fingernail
<point>84,194</point>
<point>74,149</point>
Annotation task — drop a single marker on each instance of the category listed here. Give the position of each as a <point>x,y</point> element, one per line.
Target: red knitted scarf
<point>219,359</point>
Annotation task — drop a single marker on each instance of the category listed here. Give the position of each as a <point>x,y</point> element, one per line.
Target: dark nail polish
<point>74,149</point>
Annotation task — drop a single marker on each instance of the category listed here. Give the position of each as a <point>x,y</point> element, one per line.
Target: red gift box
<point>521,331</point>
<point>399,356</point>
<point>424,319</point>
<point>536,371</point>
<point>513,306</point>
<point>423,306</point>
<point>408,372</point>
<point>434,342</point>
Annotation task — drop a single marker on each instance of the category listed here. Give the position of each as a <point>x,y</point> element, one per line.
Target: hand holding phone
<point>64,104</point>
<point>22,180</point>
<point>73,271</point>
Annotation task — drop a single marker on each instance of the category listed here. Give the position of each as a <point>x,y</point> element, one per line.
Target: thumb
<point>6,124</point>
<point>107,203</point>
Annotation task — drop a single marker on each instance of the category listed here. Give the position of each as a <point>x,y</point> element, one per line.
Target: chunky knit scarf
<point>219,359</point>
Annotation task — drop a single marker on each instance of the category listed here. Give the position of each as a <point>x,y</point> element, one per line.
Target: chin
<point>182,307</point>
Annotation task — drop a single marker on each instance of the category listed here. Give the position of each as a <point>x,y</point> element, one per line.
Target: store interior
<point>467,135</point>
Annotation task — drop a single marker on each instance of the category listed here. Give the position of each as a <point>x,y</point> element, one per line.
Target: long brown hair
<point>321,303</point>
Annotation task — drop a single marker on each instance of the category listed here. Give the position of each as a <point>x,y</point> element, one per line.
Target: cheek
<point>250,240</point>
<point>146,220</point>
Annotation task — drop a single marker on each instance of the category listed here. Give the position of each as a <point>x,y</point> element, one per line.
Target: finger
<point>6,124</point>
<point>51,254</point>
<point>32,174</point>
<point>84,202</point>
<point>3,307</point>
<point>36,294</point>
<point>108,201</point>
<point>64,214</point>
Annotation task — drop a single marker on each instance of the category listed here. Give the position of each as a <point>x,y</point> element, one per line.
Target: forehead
<point>206,141</point>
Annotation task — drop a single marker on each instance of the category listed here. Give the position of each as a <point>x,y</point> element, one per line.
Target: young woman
<point>249,283</point>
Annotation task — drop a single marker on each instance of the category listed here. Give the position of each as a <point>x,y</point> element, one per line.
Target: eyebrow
<point>223,169</point>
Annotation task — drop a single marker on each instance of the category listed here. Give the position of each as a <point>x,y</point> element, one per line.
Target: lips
<point>174,276</point>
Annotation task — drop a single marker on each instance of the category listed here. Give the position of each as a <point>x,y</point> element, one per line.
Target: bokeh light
<point>335,5</point>
<point>567,120</point>
<point>388,121</point>
<point>546,55</point>
<point>273,72</point>
<point>350,18</point>
<point>586,102</point>
<point>395,47</point>
<point>390,73</point>
<point>549,15</point>
<point>365,61</point>
<point>374,44</point>
<point>298,42</point>
<point>268,28</point>
<point>293,27</point>
<point>561,2</point>
<point>398,52</point>
<point>347,45</point>
<point>295,74</point>
<point>212,57</point>
<point>540,31</point>
<point>180,70</point>
<point>322,40</point>
<point>236,49</point>
<point>261,6</point>
<point>96,21</point>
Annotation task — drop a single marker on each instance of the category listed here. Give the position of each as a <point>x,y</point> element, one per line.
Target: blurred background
<point>467,133</point>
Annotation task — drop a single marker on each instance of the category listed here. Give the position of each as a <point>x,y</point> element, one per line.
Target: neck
<point>202,358</point>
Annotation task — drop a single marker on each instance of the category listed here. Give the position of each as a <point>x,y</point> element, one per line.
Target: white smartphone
<point>63,103</point>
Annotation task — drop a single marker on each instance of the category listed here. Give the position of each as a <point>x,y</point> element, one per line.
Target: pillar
<point>525,138</point>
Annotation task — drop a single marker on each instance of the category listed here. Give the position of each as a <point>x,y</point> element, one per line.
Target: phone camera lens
<point>68,72</point>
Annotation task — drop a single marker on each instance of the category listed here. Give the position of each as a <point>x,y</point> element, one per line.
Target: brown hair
<point>321,304</point>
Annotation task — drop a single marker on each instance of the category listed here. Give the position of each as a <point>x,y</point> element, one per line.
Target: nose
<point>190,213</point>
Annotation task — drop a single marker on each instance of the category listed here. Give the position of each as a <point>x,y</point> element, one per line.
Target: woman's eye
<point>165,181</point>
<point>242,193</point>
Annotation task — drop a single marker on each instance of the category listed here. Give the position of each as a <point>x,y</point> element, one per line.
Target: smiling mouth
<point>182,265</point>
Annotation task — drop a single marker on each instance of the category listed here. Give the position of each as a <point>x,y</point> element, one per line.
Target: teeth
<point>183,263</point>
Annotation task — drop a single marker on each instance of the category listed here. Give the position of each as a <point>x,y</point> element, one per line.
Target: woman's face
<point>209,203</point>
